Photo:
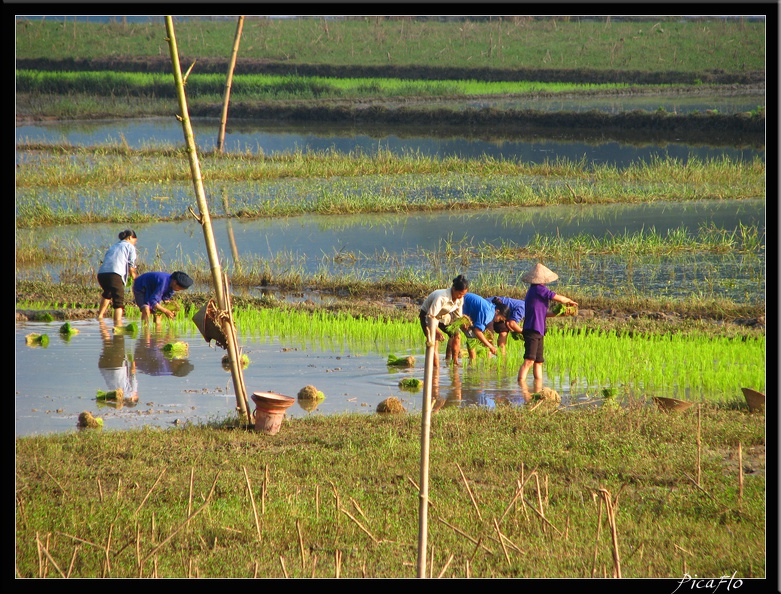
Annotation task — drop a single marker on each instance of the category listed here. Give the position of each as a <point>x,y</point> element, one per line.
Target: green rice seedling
<point>176,349</point>
<point>130,329</point>
<point>116,395</point>
<point>395,361</point>
<point>68,330</point>
<point>412,384</point>
<point>35,340</point>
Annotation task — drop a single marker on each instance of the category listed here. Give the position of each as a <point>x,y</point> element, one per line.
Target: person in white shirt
<point>120,259</point>
<point>446,305</point>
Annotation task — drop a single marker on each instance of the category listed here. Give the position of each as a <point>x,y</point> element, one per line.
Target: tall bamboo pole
<point>205,220</point>
<point>228,82</point>
<point>428,382</point>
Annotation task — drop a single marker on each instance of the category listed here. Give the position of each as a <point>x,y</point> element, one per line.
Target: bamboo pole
<point>205,220</point>
<point>428,373</point>
<point>228,82</point>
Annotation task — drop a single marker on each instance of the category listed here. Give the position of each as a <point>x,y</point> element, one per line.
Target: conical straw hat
<point>539,275</point>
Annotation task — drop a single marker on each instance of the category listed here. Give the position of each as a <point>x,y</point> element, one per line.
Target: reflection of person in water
<point>118,372</point>
<point>451,397</point>
<point>150,358</point>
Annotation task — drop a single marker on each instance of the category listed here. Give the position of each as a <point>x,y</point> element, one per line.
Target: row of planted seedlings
<point>693,365</point>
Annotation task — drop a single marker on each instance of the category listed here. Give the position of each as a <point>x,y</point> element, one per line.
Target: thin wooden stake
<point>153,552</point>
<point>699,444</point>
<point>464,534</point>
<point>542,517</point>
<point>468,490</point>
<point>611,518</point>
<point>740,472</point>
<point>263,492</point>
<point>447,564</point>
<point>190,498</point>
<point>501,542</point>
<point>338,563</point>
<point>300,542</point>
<point>361,526</point>
<point>252,500</point>
<point>596,541</point>
<point>282,563</point>
<point>152,488</point>
<point>73,560</point>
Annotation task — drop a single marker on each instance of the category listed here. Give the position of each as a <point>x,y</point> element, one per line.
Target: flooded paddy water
<point>361,246</point>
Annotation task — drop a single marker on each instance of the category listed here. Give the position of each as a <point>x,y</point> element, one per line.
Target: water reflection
<point>150,358</point>
<point>117,368</point>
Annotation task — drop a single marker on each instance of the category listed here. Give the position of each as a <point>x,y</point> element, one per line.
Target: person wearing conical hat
<point>538,298</point>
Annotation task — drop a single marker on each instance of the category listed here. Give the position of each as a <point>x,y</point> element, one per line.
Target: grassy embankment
<point>513,492</point>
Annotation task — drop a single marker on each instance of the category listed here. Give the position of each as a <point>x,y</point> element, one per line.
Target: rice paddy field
<point>666,252</point>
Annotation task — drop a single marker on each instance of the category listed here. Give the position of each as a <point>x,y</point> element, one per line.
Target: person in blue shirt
<point>152,289</point>
<point>515,315</point>
<point>120,259</point>
<point>538,299</point>
<point>483,314</point>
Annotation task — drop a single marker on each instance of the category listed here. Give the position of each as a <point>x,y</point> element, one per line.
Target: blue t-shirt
<point>151,288</point>
<point>479,310</point>
<point>538,298</point>
<point>516,306</point>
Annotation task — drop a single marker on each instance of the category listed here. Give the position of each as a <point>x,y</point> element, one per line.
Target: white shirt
<point>440,303</point>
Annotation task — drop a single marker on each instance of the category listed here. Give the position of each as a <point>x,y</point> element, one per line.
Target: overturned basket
<point>754,399</point>
<point>207,319</point>
<point>671,404</point>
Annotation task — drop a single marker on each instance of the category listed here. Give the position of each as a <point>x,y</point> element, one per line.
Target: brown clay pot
<point>270,411</point>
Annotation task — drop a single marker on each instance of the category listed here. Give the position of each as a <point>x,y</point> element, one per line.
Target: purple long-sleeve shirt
<point>151,288</point>
<point>538,297</point>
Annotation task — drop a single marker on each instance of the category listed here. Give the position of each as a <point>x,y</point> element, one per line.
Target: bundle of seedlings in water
<point>309,392</point>
<point>131,328</point>
<point>68,330</point>
<point>86,420</point>
<point>226,362</point>
<point>401,361</point>
<point>411,383</point>
<point>116,395</point>
<point>176,349</point>
<point>35,340</point>
<point>391,405</point>
<point>559,309</point>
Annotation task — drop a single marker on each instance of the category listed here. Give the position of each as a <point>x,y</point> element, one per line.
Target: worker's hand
<point>492,348</point>
<point>440,335</point>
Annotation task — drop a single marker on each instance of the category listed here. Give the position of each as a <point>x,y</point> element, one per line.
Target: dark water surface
<point>273,140</point>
